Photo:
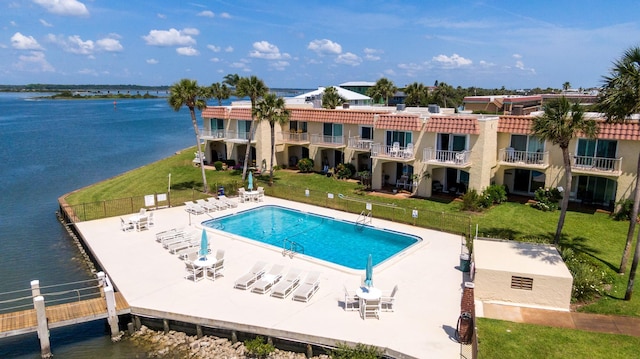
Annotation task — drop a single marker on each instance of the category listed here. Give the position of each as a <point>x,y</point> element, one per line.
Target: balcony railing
<point>327,140</point>
<point>509,155</point>
<point>596,164</point>
<point>235,136</point>
<point>403,153</point>
<point>458,158</point>
<point>294,137</point>
<point>361,144</point>
<point>212,134</point>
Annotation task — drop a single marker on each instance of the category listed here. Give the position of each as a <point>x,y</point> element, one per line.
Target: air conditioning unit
<point>400,107</point>
<point>434,108</point>
<point>345,105</point>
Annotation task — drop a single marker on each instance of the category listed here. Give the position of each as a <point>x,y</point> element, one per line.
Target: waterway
<point>49,148</point>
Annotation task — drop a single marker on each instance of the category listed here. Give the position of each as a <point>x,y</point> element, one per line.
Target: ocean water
<point>49,148</point>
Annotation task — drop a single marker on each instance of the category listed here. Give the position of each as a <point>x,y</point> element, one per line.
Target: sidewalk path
<point>612,324</point>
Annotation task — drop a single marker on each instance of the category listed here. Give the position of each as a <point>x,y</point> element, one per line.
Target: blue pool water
<point>325,238</point>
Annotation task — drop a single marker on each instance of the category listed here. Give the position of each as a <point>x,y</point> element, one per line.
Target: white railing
<point>441,156</point>
<point>523,157</point>
<point>294,136</point>
<point>379,150</point>
<point>212,134</point>
<point>234,135</point>
<point>596,164</point>
<point>359,143</point>
<point>324,139</point>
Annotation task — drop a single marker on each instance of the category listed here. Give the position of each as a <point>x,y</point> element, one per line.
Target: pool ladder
<point>363,219</point>
<point>290,248</point>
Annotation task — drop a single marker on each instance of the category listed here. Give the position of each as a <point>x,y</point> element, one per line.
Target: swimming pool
<point>329,239</point>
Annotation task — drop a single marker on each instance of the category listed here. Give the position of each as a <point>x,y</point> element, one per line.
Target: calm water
<point>50,148</point>
<point>325,238</point>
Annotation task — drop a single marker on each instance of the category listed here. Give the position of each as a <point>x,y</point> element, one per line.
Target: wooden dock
<point>60,315</point>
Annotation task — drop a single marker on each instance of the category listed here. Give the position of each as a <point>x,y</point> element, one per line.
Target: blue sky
<point>306,44</point>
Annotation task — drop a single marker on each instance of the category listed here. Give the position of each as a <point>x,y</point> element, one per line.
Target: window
<point>527,143</point>
<point>523,283</point>
<point>402,137</point>
<point>451,142</point>
<point>244,129</point>
<point>366,133</point>
<point>216,124</point>
<point>597,148</point>
<point>332,129</point>
<point>298,126</point>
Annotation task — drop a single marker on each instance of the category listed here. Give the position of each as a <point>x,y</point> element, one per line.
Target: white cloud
<point>349,58</point>
<point>187,51</point>
<point>161,16</point>
<point>191,31</point>
<point>484,63</point>
<point>225,15</point>
<point>324,46</point>
<point>45,23</point>
<point>64,7</point>
<point>389,72</point>
<point>516,56</point>
<point>171,37</point>
<point>152,61</point>
<point>213,48</point>
<point>88,72</point>
<point>75,45</point>
<point>109,45</point>
<point>228,49</point>
<point>214,59</point>
<point>452,61</point>
<point>206,13</point>
<point>35,62</point>
<point>411,69</point>
<point>279,65</point>
<point>372,54</point>
<point>268,51</point>
<point>22,42</point>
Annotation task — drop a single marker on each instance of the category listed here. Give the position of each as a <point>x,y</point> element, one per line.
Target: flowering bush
<point>590,279</point>
<point>547,199</point>
<point>305,165</point>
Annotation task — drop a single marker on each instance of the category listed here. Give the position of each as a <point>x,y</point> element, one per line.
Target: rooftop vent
<point>345,105</point>
<point>400,107</point>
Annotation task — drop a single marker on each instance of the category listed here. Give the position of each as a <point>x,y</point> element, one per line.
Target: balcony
<point>237,137</point>
<point>360,144</point>
<point>458,159</point>
<point>596,165</point>
<point>327,141</point>
<point>392,152</point>
<point>525,159</point>
<point>295,137</point>
<point>212,135</point>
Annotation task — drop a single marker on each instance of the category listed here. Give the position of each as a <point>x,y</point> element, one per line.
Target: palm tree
<point>566,86</point>
<point>618,99</point>
<point>231,80</point>
<point>383,89</point>
<point>331,98</point>
<point>560,123</point>
<point>219,92</point>
<point>443,92</point>
<point>254,88</point>
<point>416,94</point>
<point>188,93</point>
<point>272,108</point>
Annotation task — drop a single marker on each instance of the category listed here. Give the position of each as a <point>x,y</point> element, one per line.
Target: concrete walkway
<point>611,324</point>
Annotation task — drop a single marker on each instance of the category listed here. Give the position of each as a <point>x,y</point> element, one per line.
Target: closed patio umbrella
<point>204,245</point>
<point>368,281</point>
<point>250,185</point>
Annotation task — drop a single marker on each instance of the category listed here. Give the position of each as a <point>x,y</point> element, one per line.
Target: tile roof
<point>215,112</point>
<point>520,125</point>
<point>333,116</point>
<point>399,122</point>
<point>450,124</point>
<point>243,113</point>
<point>619,131</point>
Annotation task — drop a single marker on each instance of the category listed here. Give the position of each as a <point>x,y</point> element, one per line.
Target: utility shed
<point>522,274</point>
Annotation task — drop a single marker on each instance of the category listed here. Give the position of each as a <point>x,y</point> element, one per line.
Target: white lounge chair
<point>218,267</point>
<point>387,301</point>
<point>229,202</point>
<point>194,208</point>
<point>194,272</point>
<point>176,247</point>
<point>208,206</point>
<point>351,300</point>
<point>248,279</point>
<point>308,288</point>
<point>285,286</point>
<point>169,234</point>
<point>370,308</point>
<point>126,226</point>
<point>264,284</point>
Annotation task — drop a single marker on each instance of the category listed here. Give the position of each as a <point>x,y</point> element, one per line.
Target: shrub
<point>494,194</point>
<point>344,170</point>
<point>218,165</point>
<point>590,278</point>
<point>360,351</point>
<point>258,348</point>
<point>472,201</point>
<point>624,210</point>
<point>305,165</point>
<point>547,199</point>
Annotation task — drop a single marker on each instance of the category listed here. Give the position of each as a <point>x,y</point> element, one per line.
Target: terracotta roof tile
<point>240,113</point>
<point>399,122</point>
<point>215,112</point>
<point>520,125</point>
<point>450,124</point>
<point>629,131</point>
<point>333,116</point>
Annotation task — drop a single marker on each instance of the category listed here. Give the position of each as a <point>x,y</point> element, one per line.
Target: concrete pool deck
<point>152,281</point>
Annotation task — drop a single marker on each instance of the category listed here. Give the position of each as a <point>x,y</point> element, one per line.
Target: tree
<point>219,92</point>
<point>254,88</point>
<point>560,123</point>
<point>618,99</point>
<point>331,98</point>
<point>272,109</point>
<point>231,80</point>
<point>442,93</point>
<point>188,93</point>
<point>566,86</point>
<point>417,94</point>
<point>383,89</point>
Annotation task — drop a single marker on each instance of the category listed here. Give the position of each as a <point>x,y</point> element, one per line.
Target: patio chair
<point>351,300</point>
<point>194,272</point>
<point>241,194</point>
<point>387,301</point>
<point>208,206</point>
<point>126,226</point>
<point>264,284</point>
<point>370,308</point>
<point>308,288</point>
<point>287,284</point>
<point>143,211</point>
<point>408,151</point>
<point>260,196</point>
<point>142,224</point>
<point>218,267</point>
<point>151,220</point>
<point>194,208</point>
<point>189,254</point>
<point>395,149</point>
<point>248,279</point>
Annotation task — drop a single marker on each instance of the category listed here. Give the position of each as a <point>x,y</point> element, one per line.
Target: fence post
<point>112,315</point>
<point>35,288</point>
<point>43,327</point>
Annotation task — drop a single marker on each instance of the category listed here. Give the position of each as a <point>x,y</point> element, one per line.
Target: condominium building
<point>423,152</point>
